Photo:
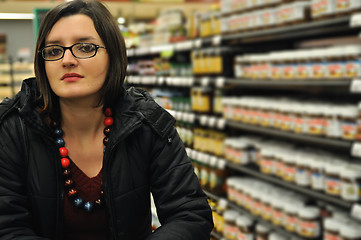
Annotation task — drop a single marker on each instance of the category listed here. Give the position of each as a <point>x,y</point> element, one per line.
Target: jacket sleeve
<point>15,220</point>
<point>182,206</point>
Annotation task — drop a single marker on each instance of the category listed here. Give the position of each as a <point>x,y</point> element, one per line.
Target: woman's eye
<point>86,48</point>
<point>54,51</point>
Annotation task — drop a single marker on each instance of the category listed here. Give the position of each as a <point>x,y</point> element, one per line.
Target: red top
<point>79,224</point>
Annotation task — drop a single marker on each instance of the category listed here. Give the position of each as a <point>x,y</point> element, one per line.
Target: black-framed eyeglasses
<point>78,50</point>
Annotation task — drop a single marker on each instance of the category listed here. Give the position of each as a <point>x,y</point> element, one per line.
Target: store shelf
<point>334,26</point>
<point>332,144</point>
<point>256,218</point>
<point>346,86</point>
<point>306,191</point>
<point>312,29</point>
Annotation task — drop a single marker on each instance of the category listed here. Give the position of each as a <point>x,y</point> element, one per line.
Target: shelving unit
<point>258,219</point>
<point>302,35</point>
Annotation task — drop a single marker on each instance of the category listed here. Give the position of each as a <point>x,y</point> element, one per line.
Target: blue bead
<point>78,202</point>
<point>58,133</point>
<point>60,142</point>
<point>88,206</point>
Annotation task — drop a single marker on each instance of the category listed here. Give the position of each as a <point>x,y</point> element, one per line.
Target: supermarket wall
<point>19,34</point>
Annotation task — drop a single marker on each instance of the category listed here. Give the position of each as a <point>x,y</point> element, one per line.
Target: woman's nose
<point>69,59</point>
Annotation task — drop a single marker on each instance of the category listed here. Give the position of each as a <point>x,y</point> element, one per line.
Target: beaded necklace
<point>69,184</point>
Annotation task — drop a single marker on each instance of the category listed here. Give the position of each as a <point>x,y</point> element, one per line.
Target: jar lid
<point>276,236</point>
<point>244,221</point>
<point>261,228</point>
<point>351,171</point>
<point>230,215</point>
<point>332,224</point>
<point>291,208</point>
<point>213,161</point>
<point>333,168</point>
<point>309,212</point>
<point>221,164</point>
<point>350,231</point>
<point>222,203</point>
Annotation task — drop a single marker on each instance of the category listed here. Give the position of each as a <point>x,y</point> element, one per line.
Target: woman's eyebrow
<point>81,39</point>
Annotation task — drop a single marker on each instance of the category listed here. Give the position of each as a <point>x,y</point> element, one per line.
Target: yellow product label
<point>217,64</point>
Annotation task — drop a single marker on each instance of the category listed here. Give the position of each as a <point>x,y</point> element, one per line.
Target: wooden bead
<point>65,162</point>
<point>63,152</point>
<point>108,112</point>
<point>108,121</point>
<point>105,141</point>
<point>72,193</point>
<point>69,183</point>
<point>66,173</point>
<point>107,131</point>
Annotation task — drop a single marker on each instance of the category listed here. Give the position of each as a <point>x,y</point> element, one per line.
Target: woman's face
<point>72,78</point>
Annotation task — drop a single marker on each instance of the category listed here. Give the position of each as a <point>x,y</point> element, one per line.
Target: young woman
<point>80,155</point>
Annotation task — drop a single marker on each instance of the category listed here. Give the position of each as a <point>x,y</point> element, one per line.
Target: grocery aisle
<point>266,96</point>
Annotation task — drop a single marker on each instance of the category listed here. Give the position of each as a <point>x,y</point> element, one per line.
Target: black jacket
<point>144,154</point>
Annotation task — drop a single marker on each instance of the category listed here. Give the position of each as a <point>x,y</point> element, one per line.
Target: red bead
<point>65,162</point>
<point>63,152</point>
<point>68,183</point>
<point>72,192</point>
<point>108,112</point>
<point>108,121</point>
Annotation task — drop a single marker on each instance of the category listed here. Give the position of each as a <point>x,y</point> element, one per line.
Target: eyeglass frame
<point>70,49</point>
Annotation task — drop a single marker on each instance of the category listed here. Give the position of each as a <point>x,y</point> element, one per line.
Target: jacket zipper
<point>107,183</point>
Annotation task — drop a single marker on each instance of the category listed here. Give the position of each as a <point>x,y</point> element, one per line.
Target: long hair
<point>108,30</point>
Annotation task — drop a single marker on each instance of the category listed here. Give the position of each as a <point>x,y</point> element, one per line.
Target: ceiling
<point>128,10</point>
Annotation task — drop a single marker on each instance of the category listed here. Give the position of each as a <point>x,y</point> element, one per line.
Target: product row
<point>298,116</point>
<point>282,209</point>
<point>212,174</point>
<point>159,67</point>
<point>241,15</point>
<point>319,8</point>
<point>289,13</point>
<point>319,63</point>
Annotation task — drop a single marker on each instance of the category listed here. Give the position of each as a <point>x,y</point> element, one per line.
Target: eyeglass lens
<point>79,50</point>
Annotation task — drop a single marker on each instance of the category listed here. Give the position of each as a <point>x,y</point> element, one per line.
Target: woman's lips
<point>71,77</point>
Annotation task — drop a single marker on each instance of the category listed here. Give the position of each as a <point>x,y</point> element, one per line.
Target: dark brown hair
<point>108,30</point>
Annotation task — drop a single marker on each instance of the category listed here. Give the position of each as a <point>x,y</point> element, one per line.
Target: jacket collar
<point>126,115</point>
<point>134,108</point>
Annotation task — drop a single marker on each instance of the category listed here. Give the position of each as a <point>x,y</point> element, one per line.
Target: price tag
<point>198,43</point>
<point>189,81</point>
<point>203,120</point>
<point>186,45</point>
<point>356,149</point>
<point>220,82</point>
<point>130,52</point>
<point>205,81</point>
<point>216,40</point>
<point>355,86</point>
<point>355,20</point>
<point>221,123</point>
<point>171,112</point>
<point>160,80</point>
<point>129,79</point>
<point>212,122</point>
<point>191,117</point>
<point>356,211</point>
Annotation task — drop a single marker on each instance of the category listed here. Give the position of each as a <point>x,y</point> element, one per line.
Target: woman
<point>79,155</point>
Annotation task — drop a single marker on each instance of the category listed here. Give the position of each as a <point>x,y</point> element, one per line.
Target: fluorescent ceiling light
<point>17,16</point>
